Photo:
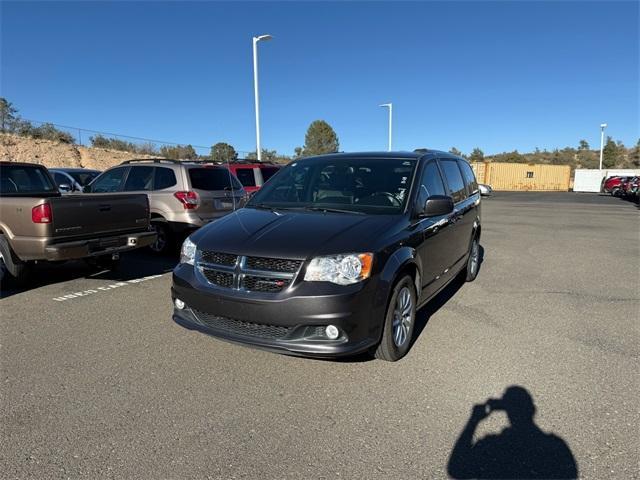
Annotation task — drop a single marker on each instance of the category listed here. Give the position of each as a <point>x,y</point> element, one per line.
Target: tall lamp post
<point>602,127</point>
<point>255,90</point>
<point>390,106</point>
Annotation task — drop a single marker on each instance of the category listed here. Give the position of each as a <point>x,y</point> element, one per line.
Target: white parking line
<point>111,286</point>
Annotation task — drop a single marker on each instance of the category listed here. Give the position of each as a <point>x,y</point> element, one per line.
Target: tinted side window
<point>60,179</point>
<point>164,178</point>
<point>430,184</point>
<point>469,177</point>
<point>140,178</point>
<point>24,179</point>
<point>110,181</point>
<point>268,172</point>
<point>246,176</point>
<point>454,179</point>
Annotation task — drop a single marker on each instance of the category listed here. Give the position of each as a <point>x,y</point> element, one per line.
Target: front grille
<point>273,264</point>
<point>219,258</point>
<point>242,328</point>
<point>254,274</point>
<point>222,279</point>
<point>264,284</point>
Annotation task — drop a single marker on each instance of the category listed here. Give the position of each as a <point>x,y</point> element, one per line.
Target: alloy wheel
<point>402,317</point>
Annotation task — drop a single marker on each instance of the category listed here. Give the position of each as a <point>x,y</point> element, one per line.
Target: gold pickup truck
<point>38,224</point>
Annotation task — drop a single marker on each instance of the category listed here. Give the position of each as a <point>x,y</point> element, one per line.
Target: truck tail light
<point>189,200</point>
<point>41,214</point>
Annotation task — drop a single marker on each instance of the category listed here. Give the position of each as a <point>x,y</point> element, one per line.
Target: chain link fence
<point>116,141</point>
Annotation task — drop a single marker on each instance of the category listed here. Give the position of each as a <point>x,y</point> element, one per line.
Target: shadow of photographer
<point>521,450</point>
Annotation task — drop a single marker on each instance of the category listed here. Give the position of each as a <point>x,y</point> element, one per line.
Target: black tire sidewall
<point>387,349</point>
<point>163,228</point>
<point>470,275</point>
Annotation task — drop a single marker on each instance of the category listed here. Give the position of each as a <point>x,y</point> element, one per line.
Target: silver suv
<point>183,195</point>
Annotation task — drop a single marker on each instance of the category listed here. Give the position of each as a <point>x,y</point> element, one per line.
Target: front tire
<point>399,323</point>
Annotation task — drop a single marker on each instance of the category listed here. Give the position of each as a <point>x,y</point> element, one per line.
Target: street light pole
<point>602,127</point>
<point>390,106</point>
<point>255,90</point>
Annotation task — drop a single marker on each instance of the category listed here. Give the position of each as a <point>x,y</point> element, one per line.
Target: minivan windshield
<point>347,184</point>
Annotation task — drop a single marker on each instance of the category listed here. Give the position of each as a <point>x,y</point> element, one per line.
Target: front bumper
<point>299,313</point>
<point>99,246</point>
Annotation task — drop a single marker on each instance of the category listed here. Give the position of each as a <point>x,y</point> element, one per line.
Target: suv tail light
<point>188,199</point>
<point>41,214</point>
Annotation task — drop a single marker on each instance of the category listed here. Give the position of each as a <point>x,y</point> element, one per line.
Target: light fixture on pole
<point>390,106</point>
<point>255,90</point>
<point>602,127</point>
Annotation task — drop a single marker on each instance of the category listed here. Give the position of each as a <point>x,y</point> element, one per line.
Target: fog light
<point>332,332</point>
<point>178,303</point>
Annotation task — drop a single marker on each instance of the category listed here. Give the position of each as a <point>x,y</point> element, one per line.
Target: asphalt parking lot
<point>97,381</point>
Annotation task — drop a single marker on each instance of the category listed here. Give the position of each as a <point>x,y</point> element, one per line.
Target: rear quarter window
<point>246,176</point>
<point>210,179</point>
<point>268,172</point>
<point>164,178</point>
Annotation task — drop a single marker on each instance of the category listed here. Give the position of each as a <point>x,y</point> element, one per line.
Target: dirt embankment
<point>55,154</point>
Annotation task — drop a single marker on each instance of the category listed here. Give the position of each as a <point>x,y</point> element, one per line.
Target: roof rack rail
<point>153,160</point>
<point>421,150</point>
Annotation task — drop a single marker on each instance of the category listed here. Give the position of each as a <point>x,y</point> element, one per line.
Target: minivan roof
<point>418,153</point>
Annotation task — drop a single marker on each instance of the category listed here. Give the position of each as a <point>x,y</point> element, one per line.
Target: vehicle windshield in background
<point>213,179</point>
<point>84,178</point>
<point>23,179</point>
<point>268,172</point>
<point>364,185</point>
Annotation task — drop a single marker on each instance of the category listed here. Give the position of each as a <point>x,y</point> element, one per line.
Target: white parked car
<point>485,190</point>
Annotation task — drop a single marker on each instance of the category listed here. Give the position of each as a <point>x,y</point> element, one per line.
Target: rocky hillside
<point>57,154</point>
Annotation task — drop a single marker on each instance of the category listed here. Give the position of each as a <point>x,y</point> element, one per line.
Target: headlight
<point>188,252</point>
<point>341,269</point>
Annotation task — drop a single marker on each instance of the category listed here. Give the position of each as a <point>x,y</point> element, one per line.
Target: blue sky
<point>498,75</point>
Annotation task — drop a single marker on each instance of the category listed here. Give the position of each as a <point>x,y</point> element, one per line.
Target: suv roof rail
<point>153,160</point>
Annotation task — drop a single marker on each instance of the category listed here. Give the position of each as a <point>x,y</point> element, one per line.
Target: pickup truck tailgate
<point>92,213</point>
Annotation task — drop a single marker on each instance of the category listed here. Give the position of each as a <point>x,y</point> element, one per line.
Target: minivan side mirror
<point>437,205</point>
<point>64,187</point>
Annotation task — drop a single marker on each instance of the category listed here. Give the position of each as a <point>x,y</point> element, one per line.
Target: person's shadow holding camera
<point>521,450</point>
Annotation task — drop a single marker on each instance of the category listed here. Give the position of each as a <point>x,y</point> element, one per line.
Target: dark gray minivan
<point>334,255</point>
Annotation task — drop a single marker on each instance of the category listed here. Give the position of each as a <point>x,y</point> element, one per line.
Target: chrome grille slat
<point>255,274</point>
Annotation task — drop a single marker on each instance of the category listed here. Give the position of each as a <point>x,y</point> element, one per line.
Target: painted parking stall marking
<point>106,288</point>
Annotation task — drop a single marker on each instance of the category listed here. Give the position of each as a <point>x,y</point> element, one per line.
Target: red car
<point>613,185</point>
<point>253,175</point>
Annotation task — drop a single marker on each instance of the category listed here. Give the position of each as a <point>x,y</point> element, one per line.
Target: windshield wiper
<point>264,206</point>
<point>332,210</point>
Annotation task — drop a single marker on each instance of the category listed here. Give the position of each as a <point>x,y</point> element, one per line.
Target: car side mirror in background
<point>64,187</point>
<point>437,205</point>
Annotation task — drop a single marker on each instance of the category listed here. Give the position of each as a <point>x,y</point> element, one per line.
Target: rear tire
<point>615,192</point>
<point>13,271</point>
<point>473,261</point>
<point>164,242</point>
<point>399,322</point>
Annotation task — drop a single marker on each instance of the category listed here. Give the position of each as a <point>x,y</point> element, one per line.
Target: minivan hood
<point>287,234</point>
